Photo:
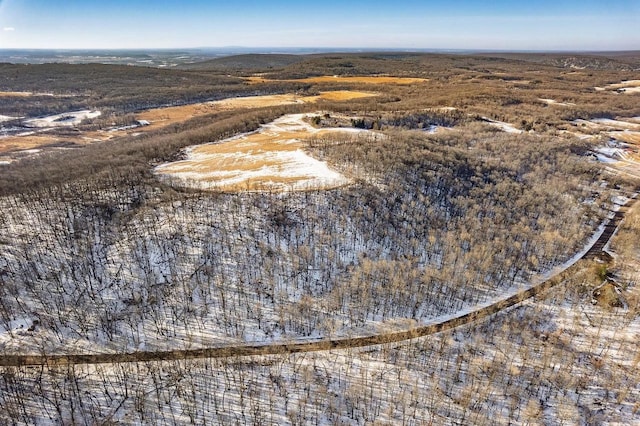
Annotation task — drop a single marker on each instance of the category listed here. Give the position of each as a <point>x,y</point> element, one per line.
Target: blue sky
<point>454,24</point>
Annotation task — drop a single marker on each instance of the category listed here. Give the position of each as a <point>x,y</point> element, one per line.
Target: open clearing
<point>157,118</point>
<point>271,159</point>
<point>345,79</point>
<point>554,102</point>
<point>628,87</point>
<point>288,99</point>
<point>6,118</point>
<point>72,118</point>
<point>18,144</point>
<point>622,129</point>
<point>14,94</point>
<point>622,150</point>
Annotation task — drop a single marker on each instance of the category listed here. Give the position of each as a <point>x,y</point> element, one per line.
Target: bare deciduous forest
<point>484,179</point>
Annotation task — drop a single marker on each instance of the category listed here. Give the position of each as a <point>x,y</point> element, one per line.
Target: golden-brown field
<point>271,159</point>
<point>346,79</point>
<point>163,117</point>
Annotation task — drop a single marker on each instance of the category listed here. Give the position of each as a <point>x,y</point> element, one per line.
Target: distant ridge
<point>251,61</point>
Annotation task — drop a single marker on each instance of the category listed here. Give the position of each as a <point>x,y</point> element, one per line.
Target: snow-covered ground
<point>505,127</point>
<point>4,118</point>
<point>612,152</point>
<point>271,159</point>
<point>627,86</point>
<point>72,118</point>
<point>616,123</point>
<point>623,130</point>
<point>551,361</point>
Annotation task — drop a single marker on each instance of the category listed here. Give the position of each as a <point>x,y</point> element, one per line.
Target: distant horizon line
<point>302,50</point>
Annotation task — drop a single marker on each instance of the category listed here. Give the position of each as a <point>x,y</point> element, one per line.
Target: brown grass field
<point>14,94</point>
<point>346,79</point>
<point>270,159</point>
<point>163,117</point>
<point>288,99</point>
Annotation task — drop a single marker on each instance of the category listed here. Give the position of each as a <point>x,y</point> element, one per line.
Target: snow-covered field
<point>4,118</point>
<point>271,159</point>
<point>72,118</point>
<point>624,130</point>
<point>505,127</point>
<point>17,140</point>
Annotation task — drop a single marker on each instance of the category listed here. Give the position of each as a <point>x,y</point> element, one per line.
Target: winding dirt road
<point>454,321</point>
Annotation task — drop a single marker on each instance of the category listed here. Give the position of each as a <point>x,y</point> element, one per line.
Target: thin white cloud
<point>8,29</point>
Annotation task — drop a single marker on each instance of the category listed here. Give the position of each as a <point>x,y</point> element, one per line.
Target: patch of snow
<point>306,172</point>
<point>624,83</point>
<point>605,159</point>
<point>18,326</point>
<point>616,123</point>
<point>626,86</point>
<point>284,168</point>
<point>72,118</point>
<point>583,123</point>
<point>4,118</point>
<point>609,151</point>
<point>554,102</point>
<point>619,200</point>
<point>629,90</point>
<point>505,127</point>
<point>139,123</point>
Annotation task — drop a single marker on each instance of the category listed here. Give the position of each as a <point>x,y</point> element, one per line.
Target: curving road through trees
<point>456,320</point>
